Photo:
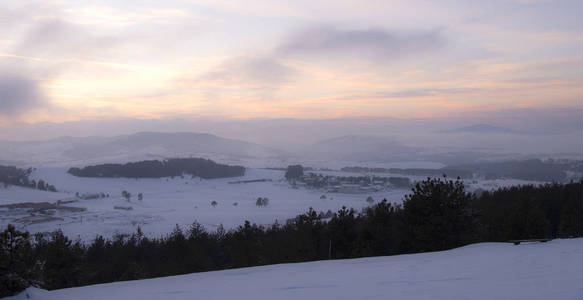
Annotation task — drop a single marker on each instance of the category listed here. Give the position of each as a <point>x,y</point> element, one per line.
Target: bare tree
<point>262,201</point>
<point>126,195</point>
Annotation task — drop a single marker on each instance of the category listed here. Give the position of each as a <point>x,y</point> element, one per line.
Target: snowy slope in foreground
<point>552,270</point>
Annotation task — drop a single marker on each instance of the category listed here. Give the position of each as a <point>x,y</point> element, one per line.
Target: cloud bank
<point>374,44</point>
<point>254,70</point>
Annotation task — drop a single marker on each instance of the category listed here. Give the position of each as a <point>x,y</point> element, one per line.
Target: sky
<point>103,61</point>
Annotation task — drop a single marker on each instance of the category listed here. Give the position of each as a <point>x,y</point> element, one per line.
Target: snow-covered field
<point>167,202</point>
<point>552,270</point>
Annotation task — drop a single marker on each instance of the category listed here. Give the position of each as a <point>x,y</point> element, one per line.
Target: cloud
<point>372,44</point>
<point>410,93</point>
<point>251,70</point>
<point>323,43</point>
<point>18,95</point>
<point>60,38</point>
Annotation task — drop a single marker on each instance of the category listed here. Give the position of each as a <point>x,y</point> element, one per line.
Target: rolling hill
<point>140,146</point>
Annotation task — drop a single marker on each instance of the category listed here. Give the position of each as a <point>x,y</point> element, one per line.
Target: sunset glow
<point>263,59</point>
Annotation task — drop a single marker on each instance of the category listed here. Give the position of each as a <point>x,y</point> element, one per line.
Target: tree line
<point>438,214</point>
<point>530,169</point>
<point>196,167</point>
<point>10,175</point>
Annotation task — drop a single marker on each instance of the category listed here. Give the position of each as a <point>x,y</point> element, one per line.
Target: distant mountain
<point>481,128</point>
<point>143,145</point>
<point>358,148</point>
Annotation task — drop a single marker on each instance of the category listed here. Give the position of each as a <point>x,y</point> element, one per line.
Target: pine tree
<point>16,265</point>
<point>437,215</point>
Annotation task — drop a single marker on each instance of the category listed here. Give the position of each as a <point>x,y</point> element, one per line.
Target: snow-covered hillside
<point>552,270</point>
